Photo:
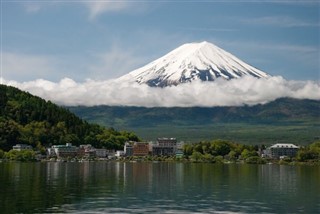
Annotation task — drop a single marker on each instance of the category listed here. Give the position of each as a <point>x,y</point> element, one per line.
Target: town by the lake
<point>169,149</point>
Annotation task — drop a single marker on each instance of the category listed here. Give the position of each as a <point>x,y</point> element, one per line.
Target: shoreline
<point>272,162</point>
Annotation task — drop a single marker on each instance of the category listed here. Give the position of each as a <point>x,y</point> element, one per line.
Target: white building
<point>119,153</point>
<point>64,150</point>
<point>21,147</point>
<point>128,148</point>
<point>282,150</point>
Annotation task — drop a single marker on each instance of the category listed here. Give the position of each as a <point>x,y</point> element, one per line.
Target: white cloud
<point>246,90</point>
<point>97,8</point>
<point>32,7</point>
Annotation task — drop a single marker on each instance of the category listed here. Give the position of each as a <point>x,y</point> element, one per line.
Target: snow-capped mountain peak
<point>192,61</point>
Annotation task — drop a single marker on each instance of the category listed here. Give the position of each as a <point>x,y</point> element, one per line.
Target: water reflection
<point>280,178</point>
<point>115,187</point>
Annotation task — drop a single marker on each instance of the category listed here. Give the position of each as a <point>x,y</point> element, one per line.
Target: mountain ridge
<point>284,120</point>
<point>280,109</point>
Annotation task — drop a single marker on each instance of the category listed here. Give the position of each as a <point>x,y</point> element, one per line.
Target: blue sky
<point>101,40</point>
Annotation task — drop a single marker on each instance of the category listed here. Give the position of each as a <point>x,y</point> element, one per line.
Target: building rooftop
<point>284,145</point>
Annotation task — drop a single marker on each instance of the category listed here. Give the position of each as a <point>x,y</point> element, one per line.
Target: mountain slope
<point>28,119</point>
<point>283,120</point>
<point>193,61</point>
<point>281,109</point>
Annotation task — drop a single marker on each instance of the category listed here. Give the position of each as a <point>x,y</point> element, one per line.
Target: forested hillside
<point>283,109</point>
<point>284,120</point>
<point>28,119</point>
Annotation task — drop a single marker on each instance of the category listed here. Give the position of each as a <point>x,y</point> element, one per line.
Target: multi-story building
<point>282,150</point>
<point>63,151</point>
<point>165,147</point>
<point>86,151</point>
<point>140,149</point>
<point>167,141</point>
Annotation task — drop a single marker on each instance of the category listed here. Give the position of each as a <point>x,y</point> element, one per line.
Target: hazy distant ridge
<point>281,109</point>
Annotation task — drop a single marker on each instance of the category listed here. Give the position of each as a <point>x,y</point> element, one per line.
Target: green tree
<point>208,157</point>
<point>34,132</point>
<point>232,156</point>
<point>315,147</point>
<point>255,160</point>
<point>246,154</point>
<point>3,99</point>
<point>220,147</point>
<point>196,156</point>
<point>25,155</point>
<point>9,134</point>
<point>310,153</point>
<point>187,149</point>
<point>307,155</point>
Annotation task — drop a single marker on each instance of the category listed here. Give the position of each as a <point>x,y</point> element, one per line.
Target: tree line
<point>219,150</point>
<point>222,150</point>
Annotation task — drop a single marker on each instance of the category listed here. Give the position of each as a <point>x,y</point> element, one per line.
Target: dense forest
<point>28,119</point>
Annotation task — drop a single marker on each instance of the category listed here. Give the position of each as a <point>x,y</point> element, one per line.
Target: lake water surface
<point>115,187</point>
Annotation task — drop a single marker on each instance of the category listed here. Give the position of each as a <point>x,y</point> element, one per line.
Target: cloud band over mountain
<point>247,90</point>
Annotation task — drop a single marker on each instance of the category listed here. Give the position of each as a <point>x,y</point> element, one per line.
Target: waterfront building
<point>21,147</point>
<point>165,147</point>
<point>63,151</point>
<point>101,153</point>
<point>111,153</point>
<point>164,141</point>
<point>51,153</point>
<point>140,149</point>
<point>119,153</point>
<point>179,153</point>
<point>128,148</point>
<point>86,151</point>
<point>282,150</point>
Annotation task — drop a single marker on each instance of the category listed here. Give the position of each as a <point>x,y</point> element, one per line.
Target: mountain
<point>193,61</point>
<point>283,120</point>
<point>28,119</point>
<point>282,109</point>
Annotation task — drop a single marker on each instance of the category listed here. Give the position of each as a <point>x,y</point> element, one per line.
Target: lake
<point>141,187</point>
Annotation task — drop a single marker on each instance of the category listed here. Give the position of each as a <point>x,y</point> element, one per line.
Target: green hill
<point>28,119</point>
<point>283,120</point>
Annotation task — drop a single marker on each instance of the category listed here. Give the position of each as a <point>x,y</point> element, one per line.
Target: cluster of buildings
<point>162,147</point>
<point>70,151</point>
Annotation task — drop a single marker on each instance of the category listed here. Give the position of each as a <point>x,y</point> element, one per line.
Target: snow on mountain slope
<point>193,61</point>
